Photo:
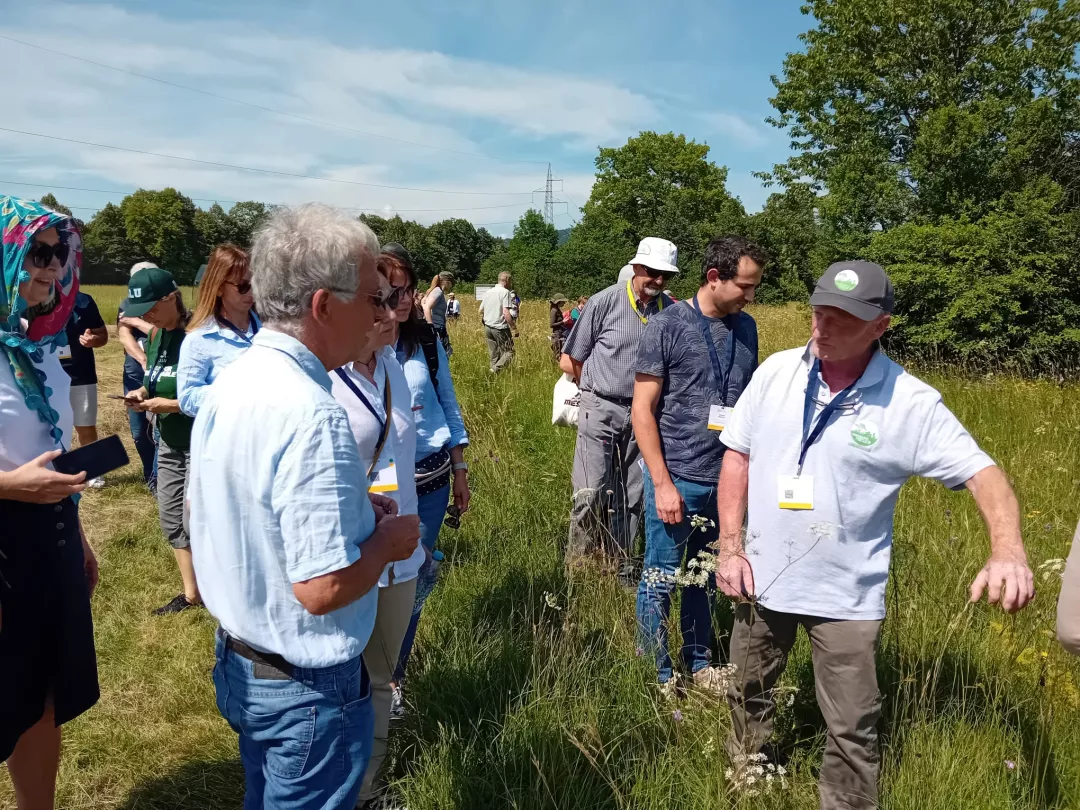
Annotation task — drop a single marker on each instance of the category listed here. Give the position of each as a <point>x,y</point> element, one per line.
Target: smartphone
<point>117,396</point>
<point>95,459</point>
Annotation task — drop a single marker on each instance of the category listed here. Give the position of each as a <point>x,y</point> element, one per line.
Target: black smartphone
<point>95,459</point>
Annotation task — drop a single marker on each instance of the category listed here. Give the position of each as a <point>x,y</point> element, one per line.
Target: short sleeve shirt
<point>833,561</point>
<point>77,360</point>
<point>673,347</point>
<point>495,300</point>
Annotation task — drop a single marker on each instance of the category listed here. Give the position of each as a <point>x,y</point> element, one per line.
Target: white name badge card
<point>384,479</point>
<point>64,352</point>
<point>718,417</point>
<point>795,491</point>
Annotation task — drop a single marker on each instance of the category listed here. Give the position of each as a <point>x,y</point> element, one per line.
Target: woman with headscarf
<point>48,667</point>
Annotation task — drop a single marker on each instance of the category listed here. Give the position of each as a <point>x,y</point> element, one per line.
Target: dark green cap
<point>146,288</point>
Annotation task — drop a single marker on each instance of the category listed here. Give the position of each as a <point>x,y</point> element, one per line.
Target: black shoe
<point>178,604</point>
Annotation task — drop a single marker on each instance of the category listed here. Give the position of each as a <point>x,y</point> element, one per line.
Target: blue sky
<point>521,82</point>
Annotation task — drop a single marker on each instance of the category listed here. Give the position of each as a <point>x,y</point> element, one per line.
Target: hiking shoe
<point>95,483</point>
<point>714,680</point>
<point>397,703</point>
<point>178,604</point>
<point>669,689</point>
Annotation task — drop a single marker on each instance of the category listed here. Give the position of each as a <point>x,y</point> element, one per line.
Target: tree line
<point>940,138</point>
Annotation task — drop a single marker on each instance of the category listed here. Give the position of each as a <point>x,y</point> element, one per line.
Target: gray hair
<point>302,250</point>
<point>504,277</point>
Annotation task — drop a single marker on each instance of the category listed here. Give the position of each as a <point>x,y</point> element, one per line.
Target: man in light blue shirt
<point>285,539</point>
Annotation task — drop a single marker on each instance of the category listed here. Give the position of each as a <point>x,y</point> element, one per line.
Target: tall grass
<point>525,690</point>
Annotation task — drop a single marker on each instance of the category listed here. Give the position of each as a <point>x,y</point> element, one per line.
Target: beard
<point>652,290</point>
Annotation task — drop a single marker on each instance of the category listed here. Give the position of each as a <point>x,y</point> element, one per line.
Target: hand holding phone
<point>94,459</point>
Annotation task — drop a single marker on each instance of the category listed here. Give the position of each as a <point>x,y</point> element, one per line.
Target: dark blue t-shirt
<point>673,347</point>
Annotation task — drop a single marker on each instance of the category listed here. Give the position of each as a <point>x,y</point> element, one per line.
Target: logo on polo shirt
<point>864,433</point>
<point>846,280</point>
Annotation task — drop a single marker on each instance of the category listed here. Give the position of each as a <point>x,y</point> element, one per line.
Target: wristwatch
<point>461,465</point>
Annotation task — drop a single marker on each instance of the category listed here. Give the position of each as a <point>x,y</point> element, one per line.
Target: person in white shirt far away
<point>819,445</point>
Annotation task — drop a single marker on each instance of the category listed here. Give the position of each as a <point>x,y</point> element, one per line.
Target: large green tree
<point>161,225</point>
<point>655,185</point>
<point>107,252</point>
<point>466,246</point>
<point>429,257</point>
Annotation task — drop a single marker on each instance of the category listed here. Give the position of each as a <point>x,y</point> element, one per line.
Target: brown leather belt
<point>269,666</point>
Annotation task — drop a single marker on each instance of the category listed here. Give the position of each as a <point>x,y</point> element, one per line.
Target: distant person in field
<point>86,331</point>
<point>819,446</point>
<point>435,306</point>
<point>694,361</point>
<point>601,353</point>
<point>48,667</point>
<point>1068,609</point>
<point>222,327</point>
<point>453,306</point>
<point>558,328</point>
<point>154,296</point>
<point>500,327</point>
<point>132,334</point>
<point>288,546</point>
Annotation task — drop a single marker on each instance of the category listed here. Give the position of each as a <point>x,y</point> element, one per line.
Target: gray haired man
<point>286,543</point>
<point>601,353</point>
<point>499,326</point>
<point>819,446</point>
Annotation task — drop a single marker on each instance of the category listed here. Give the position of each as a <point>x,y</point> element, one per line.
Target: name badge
<point>384,479</point>
<point>64,352</point>
<point>795,492</point>
<point>718,417</point>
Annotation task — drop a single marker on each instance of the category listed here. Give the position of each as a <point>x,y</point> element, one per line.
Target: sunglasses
<point>391,301</point>
<point>243,287</point>
<point>655,274</point>
<point>42,254</point>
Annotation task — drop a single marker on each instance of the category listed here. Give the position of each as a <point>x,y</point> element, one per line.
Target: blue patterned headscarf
<point>21,348</point>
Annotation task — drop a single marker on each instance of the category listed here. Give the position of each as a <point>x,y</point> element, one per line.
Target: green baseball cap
<point>146,288</point>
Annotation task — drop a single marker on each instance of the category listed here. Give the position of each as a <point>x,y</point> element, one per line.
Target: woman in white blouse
<point>48,668</point>
<point>370,389</point>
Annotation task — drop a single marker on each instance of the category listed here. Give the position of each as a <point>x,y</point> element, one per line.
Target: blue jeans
<point>304,741</point>
<point>665,545</point>
<point>142,432</point>
<point>431,508</point>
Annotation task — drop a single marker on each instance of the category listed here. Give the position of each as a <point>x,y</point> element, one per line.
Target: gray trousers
<point>171,488</point>
<point>845,681</point>
<point>500,345</point>
<point>607,481</point>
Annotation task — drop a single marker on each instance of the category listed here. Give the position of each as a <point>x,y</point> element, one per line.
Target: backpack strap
<point>429,344</point>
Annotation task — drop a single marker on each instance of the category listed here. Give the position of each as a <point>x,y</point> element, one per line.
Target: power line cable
<point>265,171</point>
<point>305,118</point>
<point>219,200</point>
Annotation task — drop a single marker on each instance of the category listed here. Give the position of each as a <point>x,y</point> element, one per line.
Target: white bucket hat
<point>135,268</point>
<point>659,254</point>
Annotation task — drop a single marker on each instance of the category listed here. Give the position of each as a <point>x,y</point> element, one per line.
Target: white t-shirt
<point>23,436</point>
<point>400,444</point>
<point>494,300</point>
<point>833,561</point>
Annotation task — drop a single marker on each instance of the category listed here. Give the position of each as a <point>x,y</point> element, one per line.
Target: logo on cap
<point>846,280</point>
<point>137,292</point>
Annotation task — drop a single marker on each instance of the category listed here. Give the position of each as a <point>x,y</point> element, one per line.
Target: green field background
<point>525,690</point>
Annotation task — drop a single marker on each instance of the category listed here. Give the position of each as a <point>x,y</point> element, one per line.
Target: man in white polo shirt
<point>820,444</point>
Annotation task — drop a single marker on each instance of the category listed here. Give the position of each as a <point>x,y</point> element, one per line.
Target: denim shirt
<point>204,353</point>
<point>278,496</point>
<point>438,417</point>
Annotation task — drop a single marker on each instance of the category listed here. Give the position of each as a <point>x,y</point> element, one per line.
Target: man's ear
<point>882,325</point>
<point>320,302</point>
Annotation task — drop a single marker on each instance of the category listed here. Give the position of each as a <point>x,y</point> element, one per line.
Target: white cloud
<point>736,127</point>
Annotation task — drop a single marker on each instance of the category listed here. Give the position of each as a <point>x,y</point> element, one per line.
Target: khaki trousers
<point>1068,609</point>
<point>381,657</point>
<point>847,692</point>
<point>500,345</point>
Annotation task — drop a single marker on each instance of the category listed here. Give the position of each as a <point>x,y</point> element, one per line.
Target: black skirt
<point>46,630</point>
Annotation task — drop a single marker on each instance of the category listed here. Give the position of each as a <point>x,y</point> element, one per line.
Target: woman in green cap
<point>154,297</point>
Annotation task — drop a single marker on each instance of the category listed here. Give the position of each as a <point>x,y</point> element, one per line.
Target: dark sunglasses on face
<point>42,254</point>
<point>655,274</point>
<point>242,287</point>
<point>391,301</point>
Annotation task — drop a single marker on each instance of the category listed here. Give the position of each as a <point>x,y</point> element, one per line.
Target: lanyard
<point>160,362</point>
<point>237,331</point>
<point>722,376</point>
<point>633,303</point>
<point>384,426</point>
<point>811,436</point>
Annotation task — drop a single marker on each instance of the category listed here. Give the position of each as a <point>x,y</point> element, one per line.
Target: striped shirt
<point>605,341</point>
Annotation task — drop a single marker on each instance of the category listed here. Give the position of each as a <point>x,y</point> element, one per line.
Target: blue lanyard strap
<point>360,396</point>
<point>240,333</point>
<point>810,436</point>
<point>722,376</point>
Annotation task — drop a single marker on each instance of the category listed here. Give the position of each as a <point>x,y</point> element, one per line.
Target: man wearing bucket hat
<point>819,446</point>
<point>600,353</point>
